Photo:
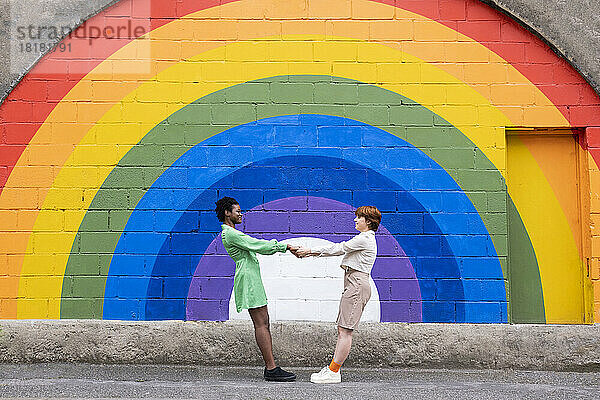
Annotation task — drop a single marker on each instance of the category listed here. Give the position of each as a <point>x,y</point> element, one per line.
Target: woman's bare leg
<point>343,345</point>
<point>262,333</point>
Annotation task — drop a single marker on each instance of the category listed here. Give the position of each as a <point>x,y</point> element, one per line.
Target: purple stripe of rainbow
<point>393,273</point>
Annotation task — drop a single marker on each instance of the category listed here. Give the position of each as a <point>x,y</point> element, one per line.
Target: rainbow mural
<point>114,153</point>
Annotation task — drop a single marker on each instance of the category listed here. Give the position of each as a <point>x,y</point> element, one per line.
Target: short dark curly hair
<point>224,204</point>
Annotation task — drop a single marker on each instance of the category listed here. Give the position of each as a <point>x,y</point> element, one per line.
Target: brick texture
<point>371,107</point>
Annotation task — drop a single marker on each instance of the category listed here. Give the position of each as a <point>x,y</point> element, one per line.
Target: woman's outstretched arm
<point>335,249</point>
<point>260,246</point>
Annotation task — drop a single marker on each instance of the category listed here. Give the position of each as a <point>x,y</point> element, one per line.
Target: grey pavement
<point>61,380</point>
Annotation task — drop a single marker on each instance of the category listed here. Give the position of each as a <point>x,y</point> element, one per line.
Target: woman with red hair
<point>359,256</point>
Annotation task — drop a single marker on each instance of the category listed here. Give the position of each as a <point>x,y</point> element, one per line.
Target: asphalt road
<point>190,382</point>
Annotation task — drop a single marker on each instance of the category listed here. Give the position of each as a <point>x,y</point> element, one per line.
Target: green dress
<point>247,285</point>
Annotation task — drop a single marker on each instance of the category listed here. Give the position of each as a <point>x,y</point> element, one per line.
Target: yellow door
<point>543,184</point>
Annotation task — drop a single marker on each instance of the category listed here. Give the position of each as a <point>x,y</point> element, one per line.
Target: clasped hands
<point>299,251</point>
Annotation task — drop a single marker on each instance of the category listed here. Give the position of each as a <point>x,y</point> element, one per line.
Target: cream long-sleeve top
<point>359,252</point>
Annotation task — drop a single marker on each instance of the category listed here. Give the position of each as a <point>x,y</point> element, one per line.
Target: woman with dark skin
<point>249,292</point>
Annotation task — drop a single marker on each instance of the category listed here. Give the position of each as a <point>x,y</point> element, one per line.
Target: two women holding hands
<point>249,293</point>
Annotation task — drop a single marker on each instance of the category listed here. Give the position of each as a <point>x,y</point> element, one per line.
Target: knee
<point>265,320</point>
<point>261,320</point>
<point>344,332</point>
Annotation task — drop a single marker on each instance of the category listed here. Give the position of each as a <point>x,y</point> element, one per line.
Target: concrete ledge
<point>534,347</point>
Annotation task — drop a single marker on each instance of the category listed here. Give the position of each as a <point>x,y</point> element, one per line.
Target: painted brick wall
<point>114,153</point>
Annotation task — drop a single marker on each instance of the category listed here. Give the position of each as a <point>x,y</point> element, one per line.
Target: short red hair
<point>371,215</point>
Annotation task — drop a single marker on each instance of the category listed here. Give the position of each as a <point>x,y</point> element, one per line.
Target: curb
<point>397,345</point>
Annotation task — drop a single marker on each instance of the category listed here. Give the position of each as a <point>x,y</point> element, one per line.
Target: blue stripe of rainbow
<point>189,185</point>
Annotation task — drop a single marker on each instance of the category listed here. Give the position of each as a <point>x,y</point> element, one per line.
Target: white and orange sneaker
<point>326,376</point>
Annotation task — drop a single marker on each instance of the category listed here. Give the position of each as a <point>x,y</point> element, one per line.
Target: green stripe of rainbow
<point>363,102</point>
